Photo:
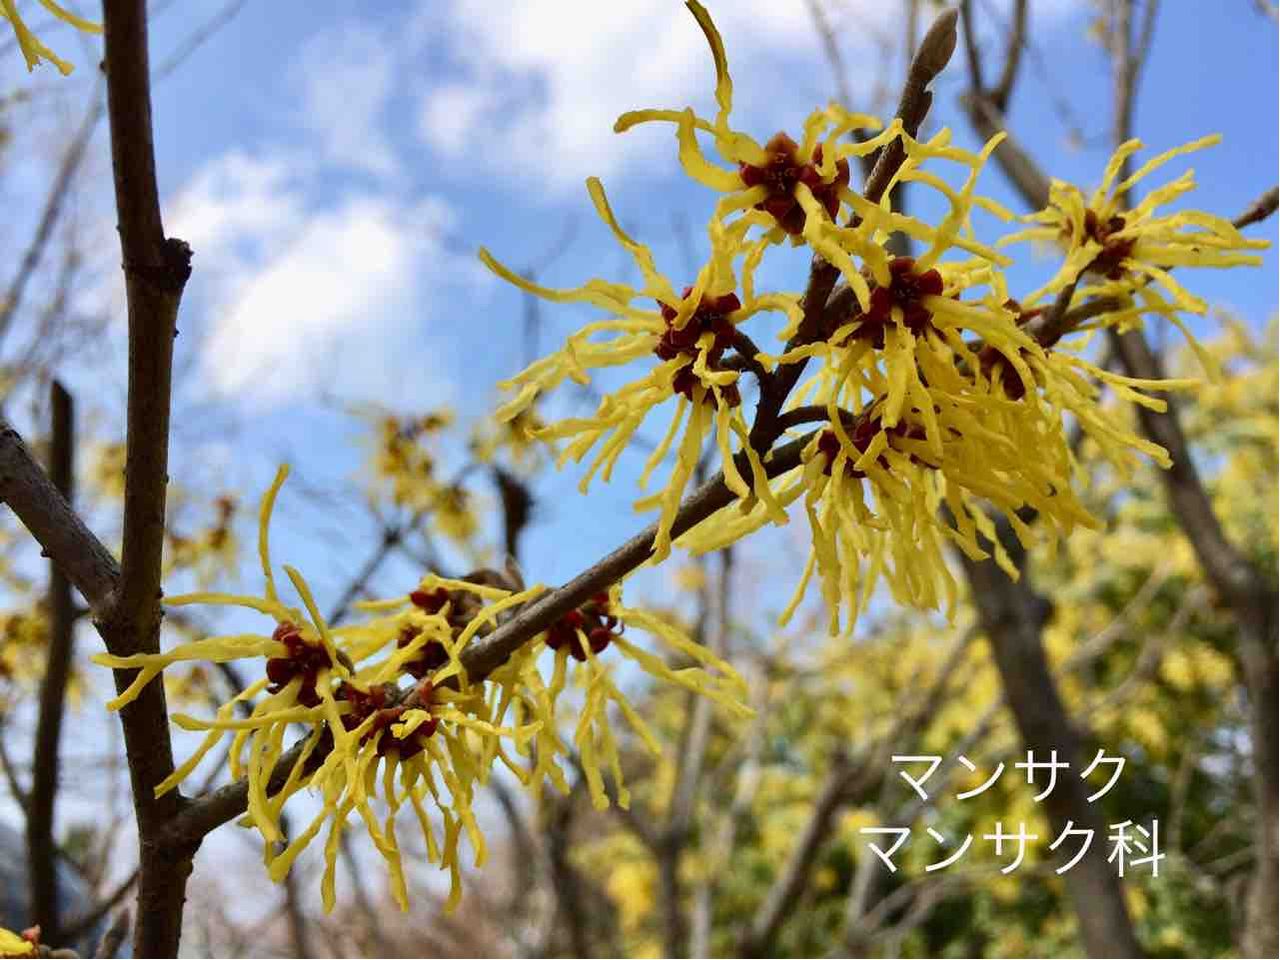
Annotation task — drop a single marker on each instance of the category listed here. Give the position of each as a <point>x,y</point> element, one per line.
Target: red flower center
<point>861,433</point>
<point>905,290</point>
<point>994,363</point>
<point>1108,260</point>
<point>594,619</point>
<point>780,173</point>
<point>375,703</point>
<point>430,657</point>
<point>302,659</point>
<point>711,316</point>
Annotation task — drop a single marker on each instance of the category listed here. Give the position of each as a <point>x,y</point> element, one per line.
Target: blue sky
<point>335,167</point>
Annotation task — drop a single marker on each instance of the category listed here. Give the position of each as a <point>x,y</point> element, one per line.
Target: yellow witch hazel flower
<point>515,441</point>
<point>33,50</point>
<point>788,188</point>
<point>584,635</point>
<point>402,462</point>
<point>373,747</point>
<point>690,334</point>
<point>1129,251</point>
<point>941,397</point>
<point>16,945</point>
<point>415,747</point>
<point>908,410</point>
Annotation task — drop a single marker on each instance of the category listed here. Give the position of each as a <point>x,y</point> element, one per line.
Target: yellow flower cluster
<point>209,553</point>
<point>404,465</point>
<point>373,747</point>
<point>1129,251</point>
<point>33,51</point>
<point>26,641</point>
<point>940,395</point>
<point>14,945</point>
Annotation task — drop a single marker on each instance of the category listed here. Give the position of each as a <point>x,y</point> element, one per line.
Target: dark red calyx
<point>905,290</point>
<point>995,364</point>
<point>595,619</point>
<point>1114,251</point>
<point>861,432</point>
<point>780,173</point>
<point>1020,316</point>
<point>381,703</point>
<point>301,659</point>
<point>432,601</point>
<point>711,316</point>
<point>430,657</point>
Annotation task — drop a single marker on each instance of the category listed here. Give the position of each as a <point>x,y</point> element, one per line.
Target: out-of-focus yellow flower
<point>16,945</point>
<point>26,642</point>
<point>106,474</point>
<point>517,438</point>
<point>690,577</point>
<point>452,514</point>
<point>211,553</point>
<point>403,462</point>
<point>188,686</point>
<point>33,50</point>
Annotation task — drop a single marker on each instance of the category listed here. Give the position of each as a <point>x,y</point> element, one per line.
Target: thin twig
<point>1001,92</point>
<point>113,939</point>
<point>77,927</point>
<point>58,529</point>
<point>54,204</point>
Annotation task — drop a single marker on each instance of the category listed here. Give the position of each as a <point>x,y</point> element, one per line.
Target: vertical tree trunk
<point>42,854</point>
<point>1012,616</point>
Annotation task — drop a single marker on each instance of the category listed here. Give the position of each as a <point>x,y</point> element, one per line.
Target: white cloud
<point>451,112</point>
<point>237,207</point>
<point>545,81</point>
<point>301,301</point>
<point>346,80</point>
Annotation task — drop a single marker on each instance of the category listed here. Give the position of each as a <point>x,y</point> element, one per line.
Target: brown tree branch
<point>77,927</point>
<point>156,269</point>
<point>1013,614</point>
<point>935,52</point>
<point>1250,593</point>
<point>42,858</point>
<point>62,535</point>
<point>1001,92</point>
<point>54,204</point>
<point>11,773</point>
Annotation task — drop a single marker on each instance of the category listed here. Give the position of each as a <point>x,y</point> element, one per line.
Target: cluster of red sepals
<point>381,702</point>
<point>592,618</point>
<point>779,175</point>
<point>711,316</point>
<point>1114,252</point>
<point>302,659</point>
<point>432,655</point>
<point>306,660</point>
<point>861,434</point>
